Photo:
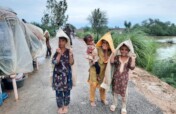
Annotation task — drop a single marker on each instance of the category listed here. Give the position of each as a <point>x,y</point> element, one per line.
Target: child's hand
<point>58,50</point>
<point>98,78</point>
<point>133,56</point>
<point>71,52</point>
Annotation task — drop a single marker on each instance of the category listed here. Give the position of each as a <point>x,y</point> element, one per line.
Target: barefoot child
<point>92,54</point>
<point>122,60</point>
<point>104,48</point>
<point>62,76</point>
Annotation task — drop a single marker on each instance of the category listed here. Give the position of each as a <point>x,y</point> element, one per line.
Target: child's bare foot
<point>105,102</point>
<point>93,104</point>
<point>60,111</point>
<point>65,110</point>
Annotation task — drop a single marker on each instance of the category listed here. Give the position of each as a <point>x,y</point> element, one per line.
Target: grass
<point>166,70</point>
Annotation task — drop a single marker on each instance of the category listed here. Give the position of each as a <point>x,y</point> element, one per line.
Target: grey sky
<point>117,10</point>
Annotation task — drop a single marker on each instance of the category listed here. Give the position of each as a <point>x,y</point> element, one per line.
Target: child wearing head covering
<point>62,73</point>
<point>104,48</point>
<point>92,54</point>
<point>117,73</point>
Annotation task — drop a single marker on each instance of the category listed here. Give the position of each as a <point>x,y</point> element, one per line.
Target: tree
<point>55,15</point>
<point>45,19</point>
<point>127,25</point>
<point>98,21</point>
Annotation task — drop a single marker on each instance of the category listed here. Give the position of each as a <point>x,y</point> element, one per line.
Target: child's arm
<point>95,55</point>
<point>112,58</point>
<point>56,57</point>
<point>133,61</point>
<point>71,60</point>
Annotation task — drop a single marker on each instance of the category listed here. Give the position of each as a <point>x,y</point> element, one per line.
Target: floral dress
<point>121,75</point>
<point>62,77</point>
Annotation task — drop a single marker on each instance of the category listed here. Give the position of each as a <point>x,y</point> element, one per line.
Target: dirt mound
<point>155,90</point>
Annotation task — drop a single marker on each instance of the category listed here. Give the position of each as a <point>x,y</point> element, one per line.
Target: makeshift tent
<point>35,45</point>
<point>38,32</point>
<point>15,55</point>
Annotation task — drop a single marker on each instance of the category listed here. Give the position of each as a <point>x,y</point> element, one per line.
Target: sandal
<point>123,111</point>
<point>112,108</point>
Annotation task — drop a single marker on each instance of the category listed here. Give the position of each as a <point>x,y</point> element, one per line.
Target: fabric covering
<point>15,56</point>
<point>108,38</point>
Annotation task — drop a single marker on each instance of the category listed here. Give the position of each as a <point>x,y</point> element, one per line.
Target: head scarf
<point>61,33</point>
<point>107,37</point>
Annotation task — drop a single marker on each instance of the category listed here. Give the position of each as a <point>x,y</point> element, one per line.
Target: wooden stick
<point>15,88</point>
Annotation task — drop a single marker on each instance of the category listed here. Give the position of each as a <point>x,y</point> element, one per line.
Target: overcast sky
<point>117,10</point>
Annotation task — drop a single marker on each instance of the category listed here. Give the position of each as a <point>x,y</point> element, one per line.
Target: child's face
<point>105,45</point>
<point>90,41</point>
<point>62,42</point>
<point>124,50</point>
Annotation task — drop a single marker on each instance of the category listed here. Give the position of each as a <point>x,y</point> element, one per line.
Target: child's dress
<point>62,78</point>
<point>121,76</point>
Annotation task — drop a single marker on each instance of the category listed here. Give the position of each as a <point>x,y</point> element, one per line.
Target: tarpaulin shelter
<point>35,45</point>
<point>15,56</point>
<point>38,32</point>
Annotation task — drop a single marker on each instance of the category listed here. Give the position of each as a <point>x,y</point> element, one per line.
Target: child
<point>92,54</point>
<point>62,76</point>
<point>123,60</point>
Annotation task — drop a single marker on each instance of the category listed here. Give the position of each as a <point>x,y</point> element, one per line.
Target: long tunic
<point>92,71</point>
<point>62,77</point>
<point>121,75</point>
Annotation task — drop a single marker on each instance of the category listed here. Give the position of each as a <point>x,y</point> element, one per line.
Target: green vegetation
<point>166,70</point>
<point>98,21</point>
<point>155,27</point>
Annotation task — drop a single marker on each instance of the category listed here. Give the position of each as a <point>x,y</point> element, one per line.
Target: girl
<point>62,76</point>
<point>104,47</point>
<point>123,60</point>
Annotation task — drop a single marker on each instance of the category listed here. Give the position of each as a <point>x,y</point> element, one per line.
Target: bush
<point>145,47</point>
<point>166,70</point>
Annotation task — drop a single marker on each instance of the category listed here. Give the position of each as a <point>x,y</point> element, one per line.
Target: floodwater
<point>166,50</point>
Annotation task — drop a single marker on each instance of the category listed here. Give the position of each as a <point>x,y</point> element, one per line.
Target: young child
<point>92,54</point>
<point>117,73</point>
<point>62,76</point>
<point>123,60</point>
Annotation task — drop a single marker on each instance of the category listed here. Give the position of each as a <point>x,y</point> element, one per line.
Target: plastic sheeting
<point>15,56</point>
<point>38,32</point>
<point>35,45</point>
